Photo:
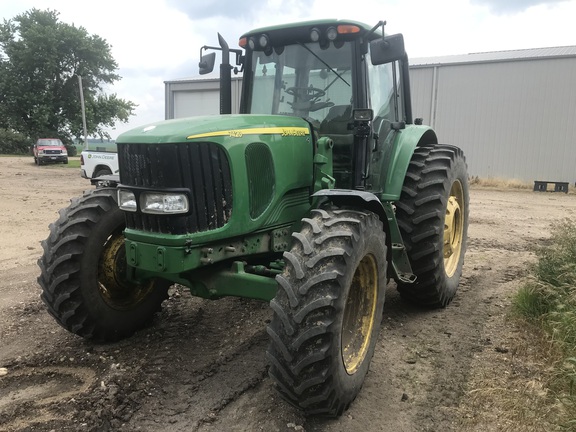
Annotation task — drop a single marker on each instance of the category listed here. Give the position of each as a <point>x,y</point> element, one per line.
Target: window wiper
<point>334,80</point>
<point>323,62</point>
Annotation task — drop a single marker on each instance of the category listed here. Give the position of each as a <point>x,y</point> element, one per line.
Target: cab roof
<point>300,31</point>
<point>307,24</point>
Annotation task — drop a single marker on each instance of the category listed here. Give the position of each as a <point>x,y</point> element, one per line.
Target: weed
<point>549,301</point>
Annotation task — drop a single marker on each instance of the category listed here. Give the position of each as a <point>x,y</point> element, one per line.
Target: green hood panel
<point>200,128</point>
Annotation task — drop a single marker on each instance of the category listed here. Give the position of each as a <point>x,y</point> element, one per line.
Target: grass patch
<point>73,162</point>
<point>548,302</point>
<point>500,183</point>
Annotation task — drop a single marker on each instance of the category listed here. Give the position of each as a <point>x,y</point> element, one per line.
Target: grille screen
<point>203,168</point>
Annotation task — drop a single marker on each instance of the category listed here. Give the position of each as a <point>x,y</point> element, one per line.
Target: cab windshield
<point>303,80</point>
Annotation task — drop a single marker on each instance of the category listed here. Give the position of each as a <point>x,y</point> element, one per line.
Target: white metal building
<point>512,112</point>
<point>197,96</point>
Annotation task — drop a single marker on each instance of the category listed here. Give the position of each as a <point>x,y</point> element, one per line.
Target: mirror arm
<point>373,29</point>
<point>366,37</point>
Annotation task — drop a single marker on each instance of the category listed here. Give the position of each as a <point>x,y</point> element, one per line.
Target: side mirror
<point>388,49</point>
<point>207,63</point>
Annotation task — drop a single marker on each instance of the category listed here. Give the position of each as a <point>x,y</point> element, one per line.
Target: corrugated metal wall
<point>513,119</point>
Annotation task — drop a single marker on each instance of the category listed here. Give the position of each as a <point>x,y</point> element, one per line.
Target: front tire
<point>433,218</point>
<point>83,272</point>
<point>328,310</point>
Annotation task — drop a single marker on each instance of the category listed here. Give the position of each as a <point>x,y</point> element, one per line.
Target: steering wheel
<point>306,93</point>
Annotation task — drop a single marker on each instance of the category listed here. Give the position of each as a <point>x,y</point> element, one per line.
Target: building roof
<point>496,56</point>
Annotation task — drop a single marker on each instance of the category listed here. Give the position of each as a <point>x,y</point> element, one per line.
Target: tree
<point>40,60</point>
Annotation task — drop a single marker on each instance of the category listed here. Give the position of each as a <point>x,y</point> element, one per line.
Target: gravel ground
<point>201,365</point>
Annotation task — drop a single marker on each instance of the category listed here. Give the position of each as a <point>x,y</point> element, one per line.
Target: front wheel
<point>83,272</point>
<point>327,310</point>
<point>433,218</point>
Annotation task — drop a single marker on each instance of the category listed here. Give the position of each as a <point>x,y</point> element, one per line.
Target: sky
<point>159,40</point>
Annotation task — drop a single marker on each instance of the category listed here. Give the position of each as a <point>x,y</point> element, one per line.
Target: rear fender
<point>392,164</point>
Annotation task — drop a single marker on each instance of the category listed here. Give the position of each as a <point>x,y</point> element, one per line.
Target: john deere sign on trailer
<point>322,189</point>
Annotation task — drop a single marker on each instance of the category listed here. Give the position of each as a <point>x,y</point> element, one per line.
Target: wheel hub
<point>453,228</point>
<point>359,314</point>
<point>115,289</point>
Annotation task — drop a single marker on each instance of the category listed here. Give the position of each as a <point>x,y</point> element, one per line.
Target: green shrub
<point>71,148</point>
<point>14,143</point>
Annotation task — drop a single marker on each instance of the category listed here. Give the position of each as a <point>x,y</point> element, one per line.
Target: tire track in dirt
<point>201,357</point>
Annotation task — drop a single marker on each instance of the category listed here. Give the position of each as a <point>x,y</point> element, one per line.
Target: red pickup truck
<point>50,150</point>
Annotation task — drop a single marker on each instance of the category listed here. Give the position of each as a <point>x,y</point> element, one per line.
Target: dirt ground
<point>201,365</point>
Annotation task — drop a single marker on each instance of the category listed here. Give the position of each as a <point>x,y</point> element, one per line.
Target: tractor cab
<point>326,73</point>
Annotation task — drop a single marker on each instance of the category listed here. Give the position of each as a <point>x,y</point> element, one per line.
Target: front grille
<point>203,168</point>
<point>53,152</point>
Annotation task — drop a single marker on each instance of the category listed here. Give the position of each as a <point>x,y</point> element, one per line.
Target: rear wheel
<point>327,310</point>
<point>83,272</point>
<point>433,218</point>
<point>101,172</point>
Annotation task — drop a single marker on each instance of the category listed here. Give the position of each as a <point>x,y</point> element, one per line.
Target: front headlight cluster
<point>153,202</point>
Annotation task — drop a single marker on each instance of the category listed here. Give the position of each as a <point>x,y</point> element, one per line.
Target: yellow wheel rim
<point>454,228</point>
<point>359,314</point>
<point>114,288</point>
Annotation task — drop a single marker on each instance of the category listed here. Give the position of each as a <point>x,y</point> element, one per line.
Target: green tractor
<point>318,193</point>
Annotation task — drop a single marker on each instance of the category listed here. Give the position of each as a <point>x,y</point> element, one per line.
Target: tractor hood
<point>200,128</point>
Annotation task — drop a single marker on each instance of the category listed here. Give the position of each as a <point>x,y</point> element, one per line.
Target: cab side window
<point>384,96</point>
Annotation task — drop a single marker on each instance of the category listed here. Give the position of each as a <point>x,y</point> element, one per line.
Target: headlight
<point>153,202</point>
<point>127,200</point>
<point>163,203</point>
<point>65,152</point>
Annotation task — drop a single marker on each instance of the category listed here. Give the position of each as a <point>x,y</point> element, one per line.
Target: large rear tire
<point>433,218</point>
<point>83,272</point>
<point>328,310</point>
